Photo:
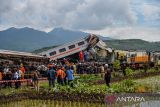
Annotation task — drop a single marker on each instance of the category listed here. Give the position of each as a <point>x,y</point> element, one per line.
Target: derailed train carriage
<point>15,59</point>
<point>91,43</point>
<point>22,57</point>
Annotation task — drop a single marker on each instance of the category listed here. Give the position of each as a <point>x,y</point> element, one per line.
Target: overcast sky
<point>120,19</point>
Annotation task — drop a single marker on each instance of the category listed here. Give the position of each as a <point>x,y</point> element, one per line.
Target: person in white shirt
<point>16,77</point>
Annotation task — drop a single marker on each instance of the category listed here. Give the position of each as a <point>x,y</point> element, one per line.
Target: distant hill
<point>66,35</point>
<point>25,39</point>
<point>133,44</point>
<point>28,39</point>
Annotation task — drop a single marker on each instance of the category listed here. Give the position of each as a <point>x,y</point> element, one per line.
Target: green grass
<point>82,85</point>
<point>8,91</point>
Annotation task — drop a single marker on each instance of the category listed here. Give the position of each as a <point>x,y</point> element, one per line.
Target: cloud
<point>151,12</point>
<point>148,12</point>
<point>73,14</point>
<point>148,34</point>
<point>116,18</point>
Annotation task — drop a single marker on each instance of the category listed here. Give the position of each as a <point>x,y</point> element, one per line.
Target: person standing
<point>1,78</point>
<point>9,77</point>
<point>123,68</point>
<point>74,68</point>
<point>145,67</point>
<point>65,77</point>
<point>23,70</point>
<point>51,76</point>
<point>1,71</point>
<point>35,80</point>
<point>19,77</point>
<point>107,76</point>
<point>86,55</point>
<point>60,76</point>
<point>15,77</point>
<point>102,70</point>
<point>70,76</point>
<point>81,56</point>
<point>1,75</point>
<point>5,76</point>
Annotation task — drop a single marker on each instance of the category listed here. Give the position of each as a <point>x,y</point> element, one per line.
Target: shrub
<point>116,65</point>
<point>128,83</point>
<point>124,86</point>
<point>129,71</point>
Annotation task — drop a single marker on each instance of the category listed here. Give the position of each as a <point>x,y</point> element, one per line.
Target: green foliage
<point>116,64</point>
<point>128,83</point>
<point>89,78</point>
<point>129,71</point>
<point>124,86</point>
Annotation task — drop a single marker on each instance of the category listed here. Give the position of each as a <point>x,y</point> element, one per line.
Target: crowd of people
<point>60,71</point>
<point>10,71</point>
<point>63,74</point>
<point>13,73</point>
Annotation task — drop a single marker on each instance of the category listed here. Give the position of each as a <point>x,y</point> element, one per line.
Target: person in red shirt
<point>23,70</point>
<point>81,56</point>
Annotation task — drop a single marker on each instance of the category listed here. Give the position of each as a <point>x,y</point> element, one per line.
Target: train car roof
<point>63,45</point>
<point>17,53</point>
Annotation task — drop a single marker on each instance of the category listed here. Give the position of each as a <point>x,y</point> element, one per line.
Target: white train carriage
<point>71,47</point>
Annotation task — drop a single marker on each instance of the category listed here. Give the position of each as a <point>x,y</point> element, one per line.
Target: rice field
<point>50,103</point>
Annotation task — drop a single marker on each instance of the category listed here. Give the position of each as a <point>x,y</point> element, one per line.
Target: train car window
<point>52,53</point>
<point>81,43</point>
<point>45,55</point>
<point>71,46</point>
<point>62,50</point>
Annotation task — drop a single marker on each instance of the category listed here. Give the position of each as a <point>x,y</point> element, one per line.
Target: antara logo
<point>130,99</point>
<point>111,99</point>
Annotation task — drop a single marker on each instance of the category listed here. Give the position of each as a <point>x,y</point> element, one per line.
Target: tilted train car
<point>72,47</point>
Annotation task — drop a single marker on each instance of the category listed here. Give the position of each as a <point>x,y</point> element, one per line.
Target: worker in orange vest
<point>60,75</point>
<point>65,77</point>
